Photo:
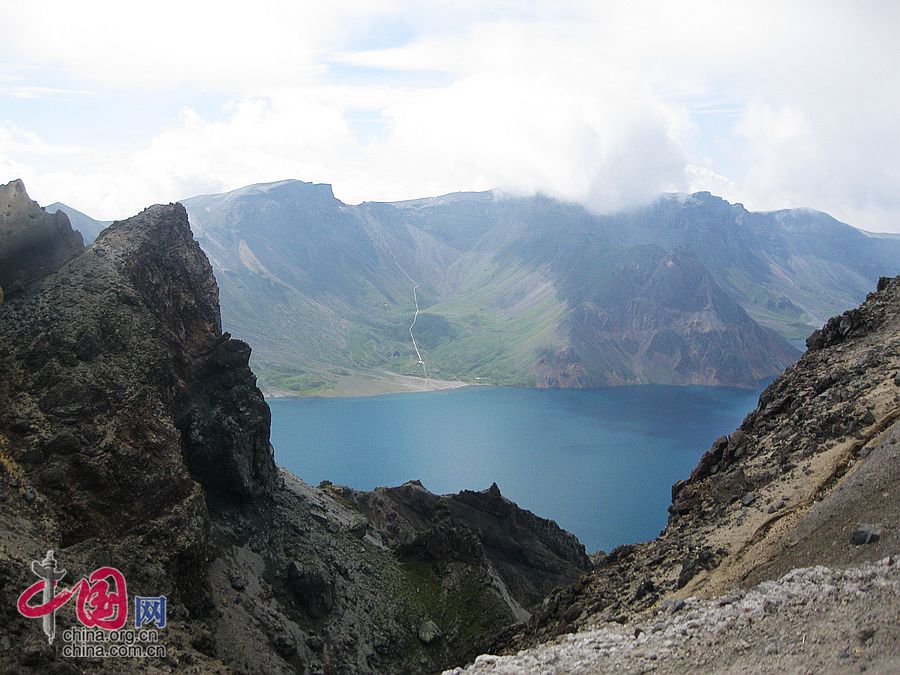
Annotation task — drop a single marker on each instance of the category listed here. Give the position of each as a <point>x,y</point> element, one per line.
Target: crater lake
<point>600,462</point>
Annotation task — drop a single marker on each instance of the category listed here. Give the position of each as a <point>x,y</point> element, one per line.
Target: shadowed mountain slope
<point>29,253</point>
<point>88,227</point>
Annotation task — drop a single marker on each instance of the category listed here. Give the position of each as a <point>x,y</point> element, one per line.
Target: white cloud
<point>215,44</point>
<point>28,145</point>
<point>606,143</point>
<point>704,179</point>
<point>253,140</point>
<point>769,103</point>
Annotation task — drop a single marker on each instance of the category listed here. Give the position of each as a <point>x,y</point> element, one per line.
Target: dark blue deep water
<point>600,462</point>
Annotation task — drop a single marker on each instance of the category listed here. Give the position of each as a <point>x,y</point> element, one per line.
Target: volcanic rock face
<point>813,466</point>
<point>104,372</point>
<point>220,413</point>
<point>33,243</point>
<point>222,408</point>
<point>132,434</point>
<point>665,321</point>
<point>531,554</point>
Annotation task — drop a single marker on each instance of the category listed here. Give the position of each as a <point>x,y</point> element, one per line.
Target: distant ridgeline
<point>529,291</point>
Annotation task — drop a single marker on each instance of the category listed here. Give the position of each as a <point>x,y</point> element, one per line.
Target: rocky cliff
<point>810,478</point>
<point>532,555</point>
<point>132,434</point>
<point>665,320</point>
<point>28,253</point>
<point>113,372</point>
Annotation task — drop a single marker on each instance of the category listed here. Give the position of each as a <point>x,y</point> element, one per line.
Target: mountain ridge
<point>324,288</point>
<point>473,269</point>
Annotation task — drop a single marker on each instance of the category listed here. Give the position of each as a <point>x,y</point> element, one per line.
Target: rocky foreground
<point>812,620</point>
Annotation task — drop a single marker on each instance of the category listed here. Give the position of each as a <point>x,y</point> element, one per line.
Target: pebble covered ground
<point>811,620</point>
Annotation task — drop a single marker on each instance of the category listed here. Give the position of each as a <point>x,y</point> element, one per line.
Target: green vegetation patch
<point>459,603</point>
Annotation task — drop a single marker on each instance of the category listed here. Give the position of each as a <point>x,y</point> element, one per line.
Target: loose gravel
<point>811,620</point>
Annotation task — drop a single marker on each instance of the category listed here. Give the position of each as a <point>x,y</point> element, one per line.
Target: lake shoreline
<point>453,385</point>
<point>439,385</point>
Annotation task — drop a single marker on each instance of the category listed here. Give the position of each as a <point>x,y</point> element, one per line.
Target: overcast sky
<point>111,106</point>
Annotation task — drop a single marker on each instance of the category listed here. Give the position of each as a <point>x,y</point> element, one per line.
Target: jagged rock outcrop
<point>816,462</point>
<point>99,363</point>
<point>852,323</point>
<point>132,434</point>
<point>532,555</point>
<point>33,243</point>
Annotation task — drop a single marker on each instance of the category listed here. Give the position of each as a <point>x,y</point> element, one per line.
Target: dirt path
<point>378,240</point>
<point>413,325</point>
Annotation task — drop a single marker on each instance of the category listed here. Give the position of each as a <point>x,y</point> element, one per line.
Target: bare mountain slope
<point>27,254</point>
<point>812,620</point>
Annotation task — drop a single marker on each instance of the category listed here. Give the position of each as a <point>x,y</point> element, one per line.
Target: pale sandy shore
<point>374,384</point>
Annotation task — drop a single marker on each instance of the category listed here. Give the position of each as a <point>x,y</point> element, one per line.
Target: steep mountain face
<point>665,320</point>
<point>790,269</point>
<point>106,365</point>
<point>302,279</point>
<point>87,226</point>
<point>810,478</point>
<point>132,434</point>
<point>29,253</point>
<point>525,290</point>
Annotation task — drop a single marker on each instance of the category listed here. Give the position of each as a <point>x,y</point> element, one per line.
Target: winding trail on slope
<point>378,240</point>
<point>413,325</point>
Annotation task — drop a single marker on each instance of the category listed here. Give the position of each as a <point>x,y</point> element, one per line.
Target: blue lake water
<point>600,462</point>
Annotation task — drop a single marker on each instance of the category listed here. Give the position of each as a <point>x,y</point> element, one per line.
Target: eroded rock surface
<point>33,243</point>
<point>811,620</point>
